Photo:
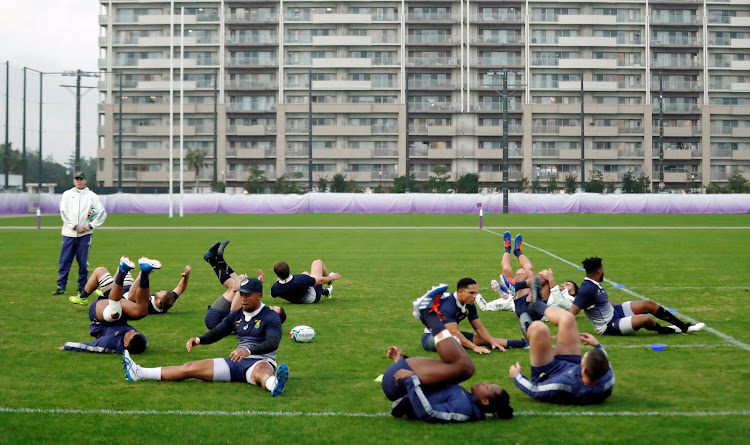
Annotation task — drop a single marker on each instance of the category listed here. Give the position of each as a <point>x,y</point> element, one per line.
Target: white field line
<point>341,414</point>
<point>726,337</point>
<point>105,227</point>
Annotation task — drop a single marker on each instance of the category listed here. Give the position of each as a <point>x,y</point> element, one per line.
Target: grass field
<point>695,391</point>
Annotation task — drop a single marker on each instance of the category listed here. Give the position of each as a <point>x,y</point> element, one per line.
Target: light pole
<point>504,94</point>
<point>583,142</point>
<point>78,74</point>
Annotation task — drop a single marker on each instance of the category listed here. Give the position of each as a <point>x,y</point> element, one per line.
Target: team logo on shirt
<point>257,324</point>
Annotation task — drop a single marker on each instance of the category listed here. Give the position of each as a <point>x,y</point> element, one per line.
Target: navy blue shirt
<point>562,383</point>
<point>455,312</point>
<point>594,301</point>
<point>441,404</point>
<point>252,330</point>
<point>109,339</point>
<point>294,290</point>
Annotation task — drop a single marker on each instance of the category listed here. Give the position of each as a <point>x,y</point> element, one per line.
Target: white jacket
<point>74,211</point>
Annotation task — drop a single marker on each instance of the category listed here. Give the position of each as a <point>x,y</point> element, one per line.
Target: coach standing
<point>81,212</point>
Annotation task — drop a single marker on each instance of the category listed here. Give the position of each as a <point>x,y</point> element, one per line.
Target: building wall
<point>387,75</point>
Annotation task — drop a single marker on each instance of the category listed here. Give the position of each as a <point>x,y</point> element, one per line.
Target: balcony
<point>431,84</point>
<point>671,19</point>
<point>676,41</point>
<point>252,40</point>
<point>671,85</point>
<point>431,40</point>
<point>252,17</point>
<point>509,39</point>
<point>438,107</point>
<point>248,84</point>
<point>677,64</point>
<point>499,61</point>
<point>431,17</point>
<point>251,62</point>
<point>677,107</point>
<point>250,107</point>
<point>498,17</point>
<point>514,107</point>
<point>433,62</point>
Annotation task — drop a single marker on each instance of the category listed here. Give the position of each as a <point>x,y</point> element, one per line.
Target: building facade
<point>556,88</point>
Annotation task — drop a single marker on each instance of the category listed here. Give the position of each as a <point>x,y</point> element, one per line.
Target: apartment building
<point>378,87</point>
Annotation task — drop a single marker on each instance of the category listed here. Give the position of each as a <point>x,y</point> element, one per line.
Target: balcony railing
<point>510,39</point>
<point>680,64</point>
<point>431,39</point>
<point>498,17</point>
<point>433,106</point>
<point>675,19</point>
<point>431,17</point>
<point>251,61</point>
<point>677,41</point>
<point>433,61</point>
<point>252,17</point>
<point>498,61</point>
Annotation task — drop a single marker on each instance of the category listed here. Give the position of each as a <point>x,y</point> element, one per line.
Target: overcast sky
<point>49,36</point>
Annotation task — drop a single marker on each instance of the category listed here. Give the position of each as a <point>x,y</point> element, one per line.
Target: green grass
<point>701,272</point>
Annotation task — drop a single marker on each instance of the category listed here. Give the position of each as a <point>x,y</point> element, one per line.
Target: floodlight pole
<point>216,130</point>
<point>583,143</point>
<point>119,139</point>
<point>23,140</point>
<point>406,117</point>
<point>309,133</point>
<point>41,84</point>
<point>505,141</point>
<point>661,129</point>
<point>6,160</point>
<point>78,74</point>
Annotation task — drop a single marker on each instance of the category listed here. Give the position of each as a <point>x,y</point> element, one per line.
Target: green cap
<point>81,175</point>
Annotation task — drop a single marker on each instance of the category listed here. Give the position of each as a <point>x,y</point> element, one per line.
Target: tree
<point>285,186</point>
<point>571,183</point>
<point>644,183</point>
<point>629,183</point>
<point>536,185</point>
<point>399,184</point>
<point>196,159</point>
<point>595,184</point>
<point>609,187</point>
<point>552,184</point>
<point>322,184</point>
<point>737,183</point>
<point>352,187</point>
<point>338,184</point>
<point>523,185</point>
<point>439,182</point>
<point>256,180</point>
<point>468,183</point>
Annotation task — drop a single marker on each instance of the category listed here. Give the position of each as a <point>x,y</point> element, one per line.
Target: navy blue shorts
<point>214,317</point>
<point>522,306</point>
<point>428,342</point>
<point>238,370</point>
<point>613,327</point>
<point>558,365</point>
<point>390,388</point>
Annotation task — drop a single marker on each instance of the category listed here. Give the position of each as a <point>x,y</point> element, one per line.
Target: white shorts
<point>106,281</point>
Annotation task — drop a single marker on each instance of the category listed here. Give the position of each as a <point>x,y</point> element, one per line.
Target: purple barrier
<point>14,203</point>
<point>399,203</point>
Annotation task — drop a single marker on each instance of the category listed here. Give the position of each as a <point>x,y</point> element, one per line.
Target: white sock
<point>270,383</point>
<point>149,373</point>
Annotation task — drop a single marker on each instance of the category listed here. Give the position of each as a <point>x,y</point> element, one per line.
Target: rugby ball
<point>302,334</point>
